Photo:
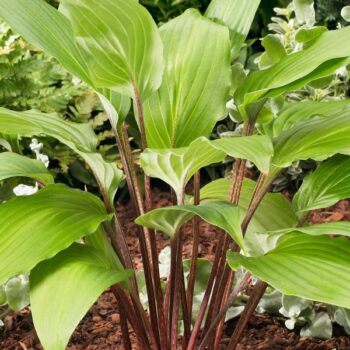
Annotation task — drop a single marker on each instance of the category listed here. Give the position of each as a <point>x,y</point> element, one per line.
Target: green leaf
<point>3,299</point>
<point>317,139</point>
<point>261,243</point>
<point>119,42</point>
<point>79,137</point>
<point>13,164</point>
<point>294,113</point>
<point>323,57</point>
<point>170,219</point>
<point>274,50</point>
<point>237,16</point>
<point>46,28</point>
<point>328,184</point>
<point>99,241</point>
<point>36,227</point>
<point>196,82</point>
<point>274,212</point>
<point>257,149</point>
<point>330,228</point>
<point>117,106</point>
<point>106,173</point>
<point>310,267</point>
<point>176,166</point>
<point>237,76</point>
<point>31,123</point>
<point>307,35</point>
<point>64,288</point>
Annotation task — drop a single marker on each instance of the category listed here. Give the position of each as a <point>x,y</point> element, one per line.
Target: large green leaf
<point>31,123</point>
<point>257,149</point>
<point>310,267</point>
<point>120,44</point>
<point>237,16</point>
<point>170,219</point>
<point>64,288</point>
<point>328,184</point>
<point>316,138</point>
<point>275,211</point>
<point>36,227</point>
<point>176,166</point>
<point>45,27</point>
<point>294,113</point>
<point>329,51</point>
<point>13,164</point>
<point>196,82</point>
<point>79,137</point>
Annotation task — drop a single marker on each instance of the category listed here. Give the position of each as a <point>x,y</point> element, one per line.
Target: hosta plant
<point>178,80</point>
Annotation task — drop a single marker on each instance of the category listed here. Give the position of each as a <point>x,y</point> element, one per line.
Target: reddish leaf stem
<point>194,254</point>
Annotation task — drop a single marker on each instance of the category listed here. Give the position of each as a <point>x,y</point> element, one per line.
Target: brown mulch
<point>99,330</point>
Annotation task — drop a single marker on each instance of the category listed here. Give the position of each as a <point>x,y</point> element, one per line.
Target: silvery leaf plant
<point>177,78</point>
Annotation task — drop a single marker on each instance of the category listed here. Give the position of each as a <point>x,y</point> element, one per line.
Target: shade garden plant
<point>177,79</point>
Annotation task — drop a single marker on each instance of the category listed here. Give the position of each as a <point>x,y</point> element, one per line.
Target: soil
<point>99,330</point>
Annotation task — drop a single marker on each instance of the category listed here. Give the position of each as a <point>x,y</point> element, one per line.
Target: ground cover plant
<point>177,79</point>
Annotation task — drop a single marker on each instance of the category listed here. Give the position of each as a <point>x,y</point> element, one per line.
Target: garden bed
<point>100,329</point>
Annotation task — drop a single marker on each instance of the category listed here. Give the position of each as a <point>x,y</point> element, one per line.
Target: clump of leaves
<point>178,77</point>
<point>293,28</point>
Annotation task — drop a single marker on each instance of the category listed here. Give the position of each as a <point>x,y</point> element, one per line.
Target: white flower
<point>44,159</point>
<point>35,146</point>
<point>24,190</point>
